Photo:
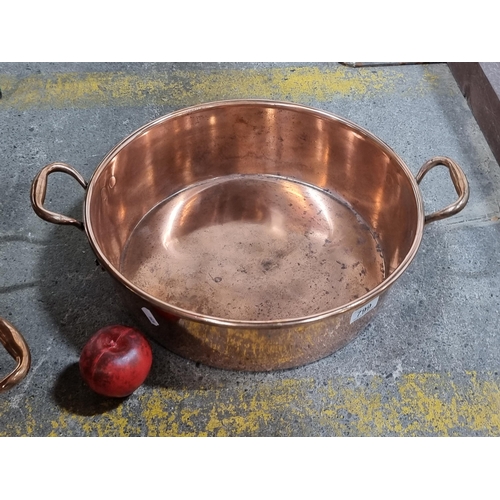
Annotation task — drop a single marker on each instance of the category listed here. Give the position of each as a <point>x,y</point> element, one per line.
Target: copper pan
<point>253,234</point>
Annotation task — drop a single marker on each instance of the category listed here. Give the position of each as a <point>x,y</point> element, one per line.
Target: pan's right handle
<point>459,181</point>
<point>39,190</point>
<point>16,346</point>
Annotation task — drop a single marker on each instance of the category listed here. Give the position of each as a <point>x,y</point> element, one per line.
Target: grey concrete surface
<point>441,317</point>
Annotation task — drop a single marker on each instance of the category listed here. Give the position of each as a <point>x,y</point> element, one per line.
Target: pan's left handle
<point>17,347</point>
<point>459,181</point>
<point>39,190</point>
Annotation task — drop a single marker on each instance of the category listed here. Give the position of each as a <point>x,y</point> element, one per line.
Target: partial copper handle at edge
<point>459,181</point>
<point>39,190</point>
<point>16,346</point>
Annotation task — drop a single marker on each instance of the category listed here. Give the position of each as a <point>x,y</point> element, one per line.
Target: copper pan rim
<point>254,324</point>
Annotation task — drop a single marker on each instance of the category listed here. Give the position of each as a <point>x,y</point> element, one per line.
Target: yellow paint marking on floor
<point>182,88</point>
<point>413,405</point>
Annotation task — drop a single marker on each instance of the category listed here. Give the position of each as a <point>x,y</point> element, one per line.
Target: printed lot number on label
<point>359,313</point>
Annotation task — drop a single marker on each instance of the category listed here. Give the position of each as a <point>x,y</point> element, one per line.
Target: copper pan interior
<point>252,211</point>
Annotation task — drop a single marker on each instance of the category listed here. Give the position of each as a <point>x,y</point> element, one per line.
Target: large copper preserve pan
<point>253,234</point>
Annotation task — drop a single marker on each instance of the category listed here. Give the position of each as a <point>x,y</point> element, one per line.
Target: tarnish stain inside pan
<point>254,248</point>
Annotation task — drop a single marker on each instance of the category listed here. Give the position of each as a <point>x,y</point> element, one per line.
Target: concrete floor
<point>427,364</point>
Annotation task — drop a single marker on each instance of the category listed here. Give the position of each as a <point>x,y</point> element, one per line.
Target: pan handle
<point>16,346</point>
<point>459,181</point>
<point>39,190</point>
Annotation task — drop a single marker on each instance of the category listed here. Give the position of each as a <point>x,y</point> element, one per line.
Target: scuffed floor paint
<point>187,87</point>
<point>416,404</point>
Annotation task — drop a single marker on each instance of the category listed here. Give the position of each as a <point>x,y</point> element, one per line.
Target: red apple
<point>116,361</point>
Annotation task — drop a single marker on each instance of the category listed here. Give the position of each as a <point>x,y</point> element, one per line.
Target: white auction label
<point>359,313</point>
<point>150,316</point>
